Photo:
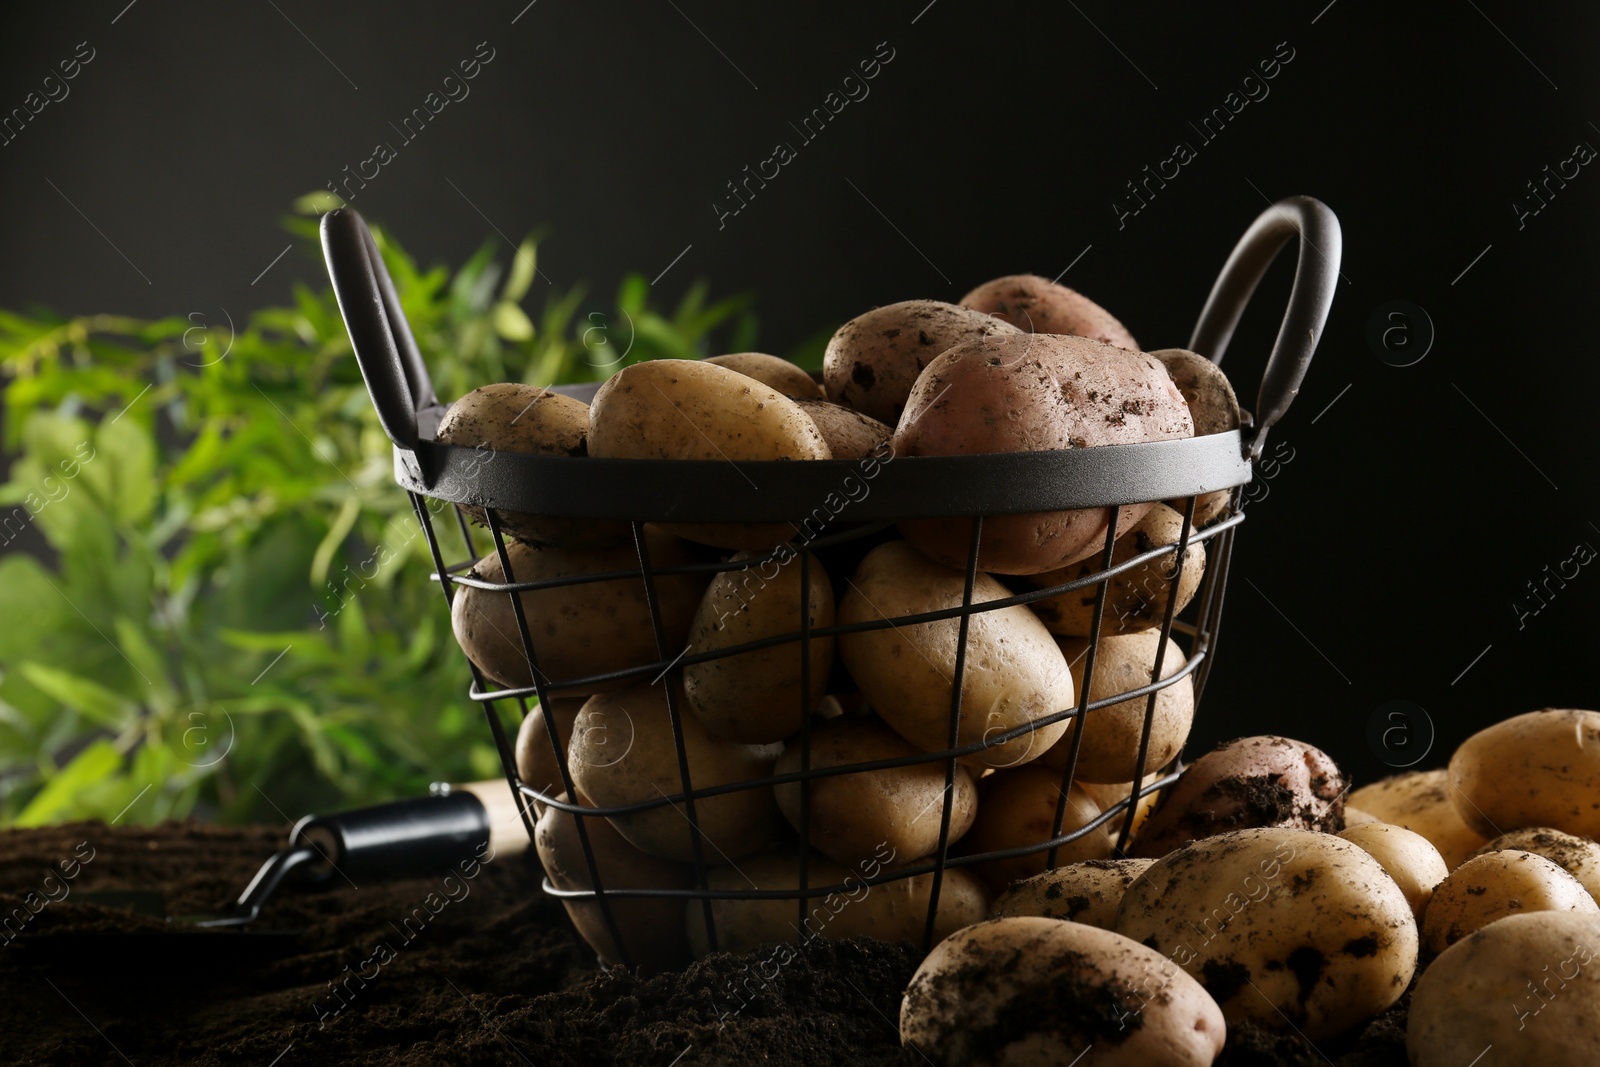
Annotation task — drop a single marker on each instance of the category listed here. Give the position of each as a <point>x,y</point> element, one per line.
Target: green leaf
<point>319,202</point>
<point>511,322</point>
<point>522,271</point>
<point>88,698</point>
<point>61,797</point>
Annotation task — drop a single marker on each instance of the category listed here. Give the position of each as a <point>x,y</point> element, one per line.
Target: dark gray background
<point>1389,550</point>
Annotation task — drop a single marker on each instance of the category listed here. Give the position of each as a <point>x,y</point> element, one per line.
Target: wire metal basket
<point>973,487</point>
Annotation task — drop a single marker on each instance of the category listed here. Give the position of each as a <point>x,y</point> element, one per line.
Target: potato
<point>774,372</point>
<point>651,929</point>
<point>1017,807</point>
<point>1038,305</point>
<point>1087,892</point>
<point>1414,864</point>
<point>1110,751</point>
<point>577,630</point>
<point>1213,406</point>
<point>849,433</point>
<point>1524,990</point>
<point>755,697</point>
<point>1033,991</point>
<point>510,417</point>
<point>1109,794</point>
<point>1578,856</point>
<point>1538,769</point>
<point>1021,393</point>
<point>1420,801</point>
<point>872,361</point>
<point>889,911</point>
<point>691,409</point>
<point>1494,885</point>
<point>539,765</point>
<point>622,752</point>
<point>1013,673</point>
<point>1135,599</point>
<point>853,814</point>
<point>1354,816</point>
<point>1284,927</point>
<point>1252,781</point>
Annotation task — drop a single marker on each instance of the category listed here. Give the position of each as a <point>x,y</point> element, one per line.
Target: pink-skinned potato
<point>1038,305</point>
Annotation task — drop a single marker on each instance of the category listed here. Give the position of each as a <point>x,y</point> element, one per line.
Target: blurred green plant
<point>214,633</point>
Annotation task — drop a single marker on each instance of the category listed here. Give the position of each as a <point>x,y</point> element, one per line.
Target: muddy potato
<point>1524,990</point>
<point>1033,392</point>
<point>1110,751</point>
<point>1420,801</point>
<point>1039,305</point>
<point>539,765</point>
<point>1087,892</point>
<point>755,697</point>
<point>692,409</point>
<point>1135,599</point>
<point>849,433</point>
<point>1251,781</point>
<point>1413,863</point>
<point>853,814</point>
<point>872,361</point>
<point>774,372</point>
<point>1538,769</point>
<point>1494,885</point>
<point>1013,674</point>
<point>1024,990</point>
<point>1578,856</point>
<point>1017,807</point>
<point>890,911</point>
<point>651,930</point>
<point>1284,927</point>
<point>510,417</point>
<point>577,630</point>
<point>1214,407</point>
<point>622,752</point>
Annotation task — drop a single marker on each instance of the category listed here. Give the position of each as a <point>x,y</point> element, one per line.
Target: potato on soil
<point>1038,305</point>
<point>1248,782</point>
<point>1024,393</point>
<point>577,630</point>
<point>1578,856</point>
<point>1213,406</point>
<point>1135,599</point>
<point>1538,769</point>
<point>539,765</point>
<point>1125,662</point>
<point>510,417</point>
<point>1017,807</point>
<point>853,814</point>
<point>1026,990</point>
<point>774,372</point>
<point>1420,801</point>
<point>1494,885</point>
<point>755,696</point>
<point>1013,673</point>
<point>849,433</point>
<point>872,361</point>
<point>1283,927</point>
<point>1413,863</point>
<point>1087,892</point>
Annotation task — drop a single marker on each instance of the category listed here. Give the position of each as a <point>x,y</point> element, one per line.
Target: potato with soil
<point>873,360</point>
<point>1034,991</point>
<point>1538,769</point>
<point>1578,856</point>
<point>1013,673</point>
<point>1017,807</point>
<point>622,752</point>
<point>1136,599</point>
<point>692,409</point>
<point>577,630</point>
<point>890,911</point>
<point>849,433</point>
<point>1524,990</point>
<point>774,372</point>
<point>1420,801</point>
<point>853,814</point>
<point>755,697</point>
<point>1088,892</point>
<point>1413,863</point>
<point>1025,393</point>
<point>1038,305</point>
<point>1213,406</point>
<point>1288,928</point>
<point>1248,782</point>
<point>651,930</point>
<point>539,765</point>
<point>1125,662</point>
<point>1493,886</point>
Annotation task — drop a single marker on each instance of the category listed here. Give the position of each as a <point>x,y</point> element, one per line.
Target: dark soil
<point>493,977</point>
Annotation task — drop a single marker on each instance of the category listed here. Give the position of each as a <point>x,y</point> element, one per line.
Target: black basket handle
<point>390,361</point>
<point>1315,277</point>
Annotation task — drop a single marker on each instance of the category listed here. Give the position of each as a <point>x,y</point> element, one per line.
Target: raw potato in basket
<point>1017,807</point>
<point>1038,305</point>
<point>1213,406</point>
<point>772,371</point>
